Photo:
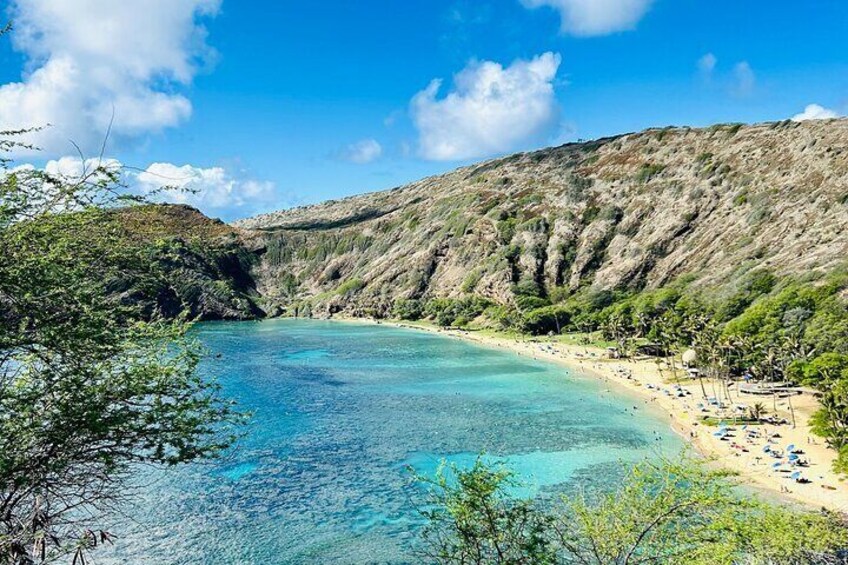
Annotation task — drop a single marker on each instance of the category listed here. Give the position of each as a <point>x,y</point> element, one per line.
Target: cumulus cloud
<point>491,109</point>
<point>64,171</point>
<point>73,169</point>
<point>213,190</point>
<point>595,17</point>
<point>361,152</point>
<point>88,58</point>
<point>744,79</point>
<point>815,112</point>
<point>70,170</point>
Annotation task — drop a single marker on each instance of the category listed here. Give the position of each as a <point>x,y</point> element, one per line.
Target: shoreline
<point>644,379</point>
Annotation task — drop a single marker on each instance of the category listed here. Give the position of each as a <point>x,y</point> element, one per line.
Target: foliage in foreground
<point>89,387</point>
<point>673,512</point>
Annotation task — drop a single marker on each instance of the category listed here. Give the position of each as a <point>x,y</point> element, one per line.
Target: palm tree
<point>705,340</point>
<point>668,338</point>
<point>795,348</point>
<point>643,324</point>
<point>771,362</point>
<point>726,350</point>
<point>615,328</point>
<point>757,411</point>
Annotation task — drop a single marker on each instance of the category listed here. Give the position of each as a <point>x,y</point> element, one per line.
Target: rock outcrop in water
<point>628,212</point>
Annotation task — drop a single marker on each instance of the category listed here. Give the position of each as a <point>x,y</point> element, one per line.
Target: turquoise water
<point>340,411</point>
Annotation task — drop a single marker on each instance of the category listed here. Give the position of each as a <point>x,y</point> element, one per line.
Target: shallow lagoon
<point>340,411</point>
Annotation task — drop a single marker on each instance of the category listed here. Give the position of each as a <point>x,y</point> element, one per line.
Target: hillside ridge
<point>626,212</point>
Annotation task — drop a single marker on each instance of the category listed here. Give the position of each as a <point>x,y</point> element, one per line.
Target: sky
<point>260,105</point>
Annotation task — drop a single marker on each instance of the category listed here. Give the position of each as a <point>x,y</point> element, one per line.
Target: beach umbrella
<point>719,434</point>
<point>790,447</point>
<point>793,457</point>
<point>766,448</point>
<point>776,465</point>
<point>796,475</point>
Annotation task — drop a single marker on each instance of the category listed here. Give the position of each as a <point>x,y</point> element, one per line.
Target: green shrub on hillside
<point>350,287</point>
<point>754,285</point>
<point>507,317</point>
<point>448,312</point>
<point>528,286</point>
<point>407,309</point>
<point>526,303</point>
<point>471,281</point>
<point>547,319</point>
<point>648,171</point>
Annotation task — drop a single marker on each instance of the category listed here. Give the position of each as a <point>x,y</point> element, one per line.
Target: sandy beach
<point>740,450</point>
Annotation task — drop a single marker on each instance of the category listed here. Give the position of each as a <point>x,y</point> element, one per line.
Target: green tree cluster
<point>457,312</point>
<point>407,309</point>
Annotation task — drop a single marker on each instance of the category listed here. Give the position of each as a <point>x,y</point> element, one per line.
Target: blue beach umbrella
<point>776,465</point>
<point>790,447</point>
<point>766,448</point>
<point>793,457</point>
<point>796,475</point>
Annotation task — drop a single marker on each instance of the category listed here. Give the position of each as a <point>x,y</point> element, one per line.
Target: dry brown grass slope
<point>633,211</point>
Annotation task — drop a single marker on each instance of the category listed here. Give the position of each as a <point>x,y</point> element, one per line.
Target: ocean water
<point>341,411</point>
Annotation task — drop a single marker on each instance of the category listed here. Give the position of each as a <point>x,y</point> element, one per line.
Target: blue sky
<point>267,104</point>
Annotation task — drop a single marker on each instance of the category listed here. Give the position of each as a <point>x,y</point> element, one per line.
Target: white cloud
<point>492,109</point>
<point>815,112</point>
<point>361,152</point>
<point>595,17</point>
<point>88,57</point>
<point>56,173</point>
<point>707,64</point>
<point>74,169</point>
<point>744,79</point>
<point>213,190</point>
